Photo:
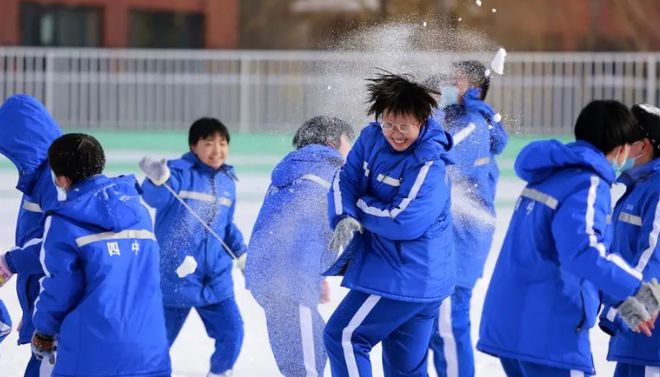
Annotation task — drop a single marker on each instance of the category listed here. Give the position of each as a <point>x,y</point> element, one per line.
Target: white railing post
<point>652,79</point>
<point>50,81</point>
<point>244,105</point>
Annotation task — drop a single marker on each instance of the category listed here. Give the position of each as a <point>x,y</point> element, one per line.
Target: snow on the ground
<point>193,348</point>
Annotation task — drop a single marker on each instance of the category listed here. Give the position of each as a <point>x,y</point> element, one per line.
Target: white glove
<point>344,233</point>
<point>5,272</point>
<point>156,171</point>
<point>639,311</point>
<point>633,313</point>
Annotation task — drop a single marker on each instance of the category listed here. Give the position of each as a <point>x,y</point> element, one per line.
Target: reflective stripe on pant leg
<point>347,333</point>
<point>446,333</point>
<point>651,372</point>
<point>307,337</point>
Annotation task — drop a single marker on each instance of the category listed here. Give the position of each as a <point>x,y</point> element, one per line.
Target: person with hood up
<point>478,138</point>
<point>195,266</point>
<point>289,246</point>
<point>26,132</point>
<point>636,227</point>
<point>389,206</point>
<point>553,267</point>
<point>100,306</point>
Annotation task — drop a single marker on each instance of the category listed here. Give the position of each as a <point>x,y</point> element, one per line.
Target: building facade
<point>120,23</point>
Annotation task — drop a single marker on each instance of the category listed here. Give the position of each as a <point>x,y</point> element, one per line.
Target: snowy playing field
<point>192,349</point>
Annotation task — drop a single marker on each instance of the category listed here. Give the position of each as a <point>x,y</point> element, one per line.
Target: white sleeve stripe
<point>42,260</point>
<point>653,241</point>
<point>32,207</point>
<point>339,207</point>
<point>31,242</point>
<point>611,314</point>
<point>361,204</point>
<point>42,253</point>
<point>464,133</point>
<point>593,240</point>
<point>316,179</point>
<point>419,181</point>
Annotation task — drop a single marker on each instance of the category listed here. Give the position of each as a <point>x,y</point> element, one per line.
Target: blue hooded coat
<point>478,138</point>
<point>101,294</point>
<point>544,293</point>
<point>636,227</point>
<point>402,200</point>
<point>289,243</point>
<point>212,194</point>
<point>26,132</point>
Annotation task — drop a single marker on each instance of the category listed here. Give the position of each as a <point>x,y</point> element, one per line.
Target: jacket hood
<point>434,143</point>
<point>109,204</point>
<point>26,132</point>
<point>309,159</point>
<point>540,159</point>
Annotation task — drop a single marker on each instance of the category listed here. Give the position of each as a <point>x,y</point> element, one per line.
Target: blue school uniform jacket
<point>478,138</point>
<point>544,293</point>
<point>101,294</point>
<point>289,243</point>
<point>212,195</point>
<point>636,226</point>
<point>26,132</point>
<point>402,199</point>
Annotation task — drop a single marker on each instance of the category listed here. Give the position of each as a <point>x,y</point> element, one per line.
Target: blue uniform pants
<point>362,320</point>
<point>632,370</point>
<point>223,323</point>
<point>295,333</point>
<point>453,354</point>
<point>517,368</point>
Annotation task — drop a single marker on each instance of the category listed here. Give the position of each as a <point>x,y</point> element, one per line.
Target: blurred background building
<point>557,25</point>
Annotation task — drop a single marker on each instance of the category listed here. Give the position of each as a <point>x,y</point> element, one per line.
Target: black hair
<point>648,121</point>
<point>323,130</point>
<point>400,94</point>
<point>206,127</point>
<point>475,72</point>
<point>76,156</point>
<point>607,124</point>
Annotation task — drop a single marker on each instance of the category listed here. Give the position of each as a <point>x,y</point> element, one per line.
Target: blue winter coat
<point>402,199</point>
<point>26,132</point>
<point>636,226</point>
<point>289,243</point>
<point>478,138</point>
<point>544,293</point>
<point>5,322</point>
<point>101,294</point>
<point>212,194</point>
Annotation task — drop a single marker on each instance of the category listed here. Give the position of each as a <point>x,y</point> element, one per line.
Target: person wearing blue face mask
<point>636,227</point>
<point>553,270</point>
<point>479,137</point>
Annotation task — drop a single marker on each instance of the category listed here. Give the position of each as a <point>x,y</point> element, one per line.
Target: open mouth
<point>399,141</point>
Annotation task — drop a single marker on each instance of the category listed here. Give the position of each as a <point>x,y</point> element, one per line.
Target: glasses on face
<point>389,127</point>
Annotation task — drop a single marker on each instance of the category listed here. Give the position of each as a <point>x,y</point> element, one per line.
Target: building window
<point>151,29</point>
<point>60,25</point>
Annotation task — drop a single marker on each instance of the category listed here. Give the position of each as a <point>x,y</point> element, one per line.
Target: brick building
<point>120,23</point>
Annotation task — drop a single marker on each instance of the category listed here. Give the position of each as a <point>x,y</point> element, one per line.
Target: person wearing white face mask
<point>636,226</point>
<point>479,137</point>
<point>554,270</point>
